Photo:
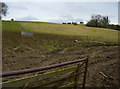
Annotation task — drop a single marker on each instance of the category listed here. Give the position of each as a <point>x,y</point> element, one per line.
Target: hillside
<point>81,31</point>
<point>55,43</point>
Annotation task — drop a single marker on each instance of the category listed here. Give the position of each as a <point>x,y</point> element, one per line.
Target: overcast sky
<point>61,11</point>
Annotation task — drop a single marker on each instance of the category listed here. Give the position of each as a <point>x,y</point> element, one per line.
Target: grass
<point>79,31</point>
<point>95,55</point>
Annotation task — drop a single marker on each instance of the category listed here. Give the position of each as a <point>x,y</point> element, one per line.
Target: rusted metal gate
<point>69,76</point>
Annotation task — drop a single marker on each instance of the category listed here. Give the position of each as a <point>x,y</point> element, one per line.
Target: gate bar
<point>18,72</point>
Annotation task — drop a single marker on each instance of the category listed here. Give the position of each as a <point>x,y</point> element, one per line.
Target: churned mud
<point>25,52</point>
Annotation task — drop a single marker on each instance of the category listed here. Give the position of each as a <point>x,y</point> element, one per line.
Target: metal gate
<point>67,74</point>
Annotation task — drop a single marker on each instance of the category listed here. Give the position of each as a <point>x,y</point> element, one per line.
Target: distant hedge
<point>116,27</point>
<point>110,26</point>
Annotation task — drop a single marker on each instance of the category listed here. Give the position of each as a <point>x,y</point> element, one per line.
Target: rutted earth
<point>24,53</point>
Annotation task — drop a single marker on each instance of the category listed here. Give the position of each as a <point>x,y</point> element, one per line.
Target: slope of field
<point>97,34</point>
<point>54,43</point>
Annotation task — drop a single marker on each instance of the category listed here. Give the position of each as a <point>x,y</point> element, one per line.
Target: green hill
<point>96,34</point>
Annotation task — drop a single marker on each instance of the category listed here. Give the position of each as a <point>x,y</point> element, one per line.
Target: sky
<point>58,12</point>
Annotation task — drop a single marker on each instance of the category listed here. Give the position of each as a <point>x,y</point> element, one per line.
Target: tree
<point>12,19</point>
<point>98,21</point>
<point>3,9</point>
<point>105,21</point>
<point>81,22</point>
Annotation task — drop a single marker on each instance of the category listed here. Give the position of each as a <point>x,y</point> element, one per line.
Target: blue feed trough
<point>27,31</point>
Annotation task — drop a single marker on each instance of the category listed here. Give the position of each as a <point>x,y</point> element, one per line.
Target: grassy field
<point>54,43</point>
<point>80,31</point>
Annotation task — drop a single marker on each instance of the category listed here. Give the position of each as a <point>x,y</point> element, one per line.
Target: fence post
<point>85,73</point>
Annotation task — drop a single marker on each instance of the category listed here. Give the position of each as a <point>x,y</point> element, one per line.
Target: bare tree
<point>3,9</point>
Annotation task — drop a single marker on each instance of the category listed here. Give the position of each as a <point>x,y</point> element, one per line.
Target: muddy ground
<point>24,52</point>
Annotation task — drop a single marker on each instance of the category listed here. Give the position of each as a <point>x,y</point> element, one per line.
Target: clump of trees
<point>63,23</point>
<point>81,22</point>
<point>75,23</point>
<point>3,9</point>
<point>98,21</point>
<point>101,21</point>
